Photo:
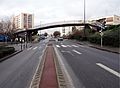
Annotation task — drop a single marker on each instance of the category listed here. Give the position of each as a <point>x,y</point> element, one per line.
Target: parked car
<point>60,39</point>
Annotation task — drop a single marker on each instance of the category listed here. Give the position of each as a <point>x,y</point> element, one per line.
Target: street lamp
<point>26,40</point>
<point>21,43</point>
<point>84,18</point>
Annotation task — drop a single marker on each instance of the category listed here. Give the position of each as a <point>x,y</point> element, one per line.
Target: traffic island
<point>48,73</point>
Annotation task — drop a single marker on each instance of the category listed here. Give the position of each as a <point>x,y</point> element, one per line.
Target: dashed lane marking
<point>63,46</point>
<point>35,48</point>
<point>57,46</point>
<point>69,46</point>
<point>76,52</point>
<point>109,69</point>
<point>29,48</point>
<point>75,46</point>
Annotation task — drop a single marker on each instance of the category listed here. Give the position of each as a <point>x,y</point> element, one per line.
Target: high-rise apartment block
<point>23,21</point>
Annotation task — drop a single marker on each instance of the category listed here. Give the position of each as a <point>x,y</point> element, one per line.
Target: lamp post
<point>21,43</point>
<point>84,18</point>
<point>25,40</point>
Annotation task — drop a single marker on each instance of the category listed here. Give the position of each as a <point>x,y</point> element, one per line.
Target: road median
<point>49,73</point>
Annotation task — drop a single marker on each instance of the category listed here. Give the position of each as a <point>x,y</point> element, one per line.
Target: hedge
<point>4,51</point>
<point>110,38</point>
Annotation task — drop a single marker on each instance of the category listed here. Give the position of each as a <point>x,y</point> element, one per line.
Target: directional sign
<point>101,33</point>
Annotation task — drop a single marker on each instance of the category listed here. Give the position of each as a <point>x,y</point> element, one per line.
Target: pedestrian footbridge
<point>60,24</point>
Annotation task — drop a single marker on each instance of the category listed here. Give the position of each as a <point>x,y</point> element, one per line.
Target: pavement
<point>19,47</point>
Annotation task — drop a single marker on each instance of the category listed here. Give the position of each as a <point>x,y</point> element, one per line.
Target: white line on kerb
<point>108,69</point>
<point>57,46</point>
<point>63,46</point>
<point>77,52</point>
<point>35,48</point>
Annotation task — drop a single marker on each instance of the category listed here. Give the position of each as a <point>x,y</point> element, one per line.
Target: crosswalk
<point>33,48</point>
<point>59,46</point>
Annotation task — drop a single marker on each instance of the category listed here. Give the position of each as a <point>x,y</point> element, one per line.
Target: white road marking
<point>67,52</point>
<point>108,69</point>
<point>57,46</point>
<point>63,46</point>
<point>70,53</point>
<point>29,48</point>
<point>75,46</point>
<point>69,46</point>
<point>77,52</point>
<point>35,48</point>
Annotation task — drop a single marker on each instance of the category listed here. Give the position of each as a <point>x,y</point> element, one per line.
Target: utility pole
<point>84,17</point>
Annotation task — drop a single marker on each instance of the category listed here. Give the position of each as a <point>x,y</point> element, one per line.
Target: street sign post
<point>101,34</point>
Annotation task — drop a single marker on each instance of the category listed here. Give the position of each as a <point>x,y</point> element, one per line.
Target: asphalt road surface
<point>92,68</point>
<point>17,71</point>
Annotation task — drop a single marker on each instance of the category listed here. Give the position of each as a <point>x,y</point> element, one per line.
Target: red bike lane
<point>49,76</point>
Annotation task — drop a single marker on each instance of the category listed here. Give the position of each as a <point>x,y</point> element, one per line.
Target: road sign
<point>101,33</point>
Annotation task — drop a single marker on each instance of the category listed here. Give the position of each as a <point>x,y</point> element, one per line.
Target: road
<point>90,67</point>
<point>17,71</point>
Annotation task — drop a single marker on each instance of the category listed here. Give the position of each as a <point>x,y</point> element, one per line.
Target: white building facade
<point>113,20</point>
<point>23,21</point>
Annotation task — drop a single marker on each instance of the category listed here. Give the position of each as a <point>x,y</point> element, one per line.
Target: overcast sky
<point>59,10</point>
<point>46,11</point>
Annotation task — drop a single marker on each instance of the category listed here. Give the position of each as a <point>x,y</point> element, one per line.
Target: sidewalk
<point>104,48</point>
<point>18,46</point>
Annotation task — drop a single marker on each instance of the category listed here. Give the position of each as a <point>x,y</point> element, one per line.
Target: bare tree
<point>7,27</point>
<point>1,27</point>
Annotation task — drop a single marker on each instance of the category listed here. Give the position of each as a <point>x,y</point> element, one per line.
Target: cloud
<point>59,10</point>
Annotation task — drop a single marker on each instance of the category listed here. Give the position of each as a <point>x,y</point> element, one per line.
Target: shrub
<point>4,51</point>
<point>110,37</point>
<point>95,38</point>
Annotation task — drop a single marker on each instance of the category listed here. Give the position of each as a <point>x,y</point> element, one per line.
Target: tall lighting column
<point>84,17</point>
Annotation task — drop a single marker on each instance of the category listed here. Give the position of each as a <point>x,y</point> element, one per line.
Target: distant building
<point>113,20</point>
<point>23,21</point>
<point>109,20</point>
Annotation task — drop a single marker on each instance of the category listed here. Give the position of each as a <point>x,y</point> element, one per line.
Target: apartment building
<point>23,21</point>
<point>109,20</point>
<point>113,20</point>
